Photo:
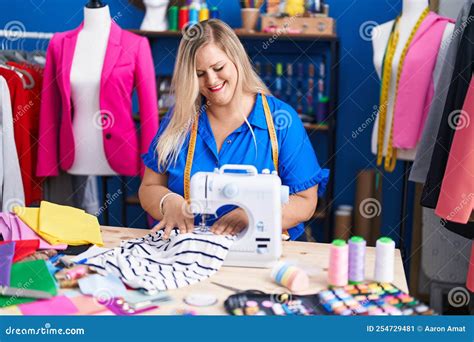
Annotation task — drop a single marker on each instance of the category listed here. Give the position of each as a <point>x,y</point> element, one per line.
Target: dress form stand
<point>86,72</point>
<point>411,12</point>
<point>155,16</point>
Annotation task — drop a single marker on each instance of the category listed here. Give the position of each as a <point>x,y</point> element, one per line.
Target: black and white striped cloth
<point>151,263</point>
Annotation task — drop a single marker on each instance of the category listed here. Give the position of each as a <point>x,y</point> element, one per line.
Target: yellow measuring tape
<point>192,147</point>
<point>391,156</point>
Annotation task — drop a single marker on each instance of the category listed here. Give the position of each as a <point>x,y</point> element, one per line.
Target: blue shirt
<point>298,165</point>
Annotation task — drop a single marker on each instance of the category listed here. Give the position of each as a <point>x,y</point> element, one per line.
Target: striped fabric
<point>151,263</point>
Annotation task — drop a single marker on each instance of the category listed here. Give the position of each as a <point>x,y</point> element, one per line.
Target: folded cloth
<point>62,224</point>
<point>12,228</point>
<point>23,248</point>
<point>7,251</point>
<point>152,263</point>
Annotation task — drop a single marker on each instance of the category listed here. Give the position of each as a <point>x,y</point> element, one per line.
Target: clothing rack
<point>17,34</point>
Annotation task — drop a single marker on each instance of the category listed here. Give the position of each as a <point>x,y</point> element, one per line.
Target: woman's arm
<point>151,191</point>
<point>300,207</point>
<point>175,208</point>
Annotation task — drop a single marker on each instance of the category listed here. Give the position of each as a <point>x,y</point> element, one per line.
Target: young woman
<point>224,114</point>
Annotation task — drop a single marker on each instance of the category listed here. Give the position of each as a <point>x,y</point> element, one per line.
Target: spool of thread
<point>290,276</point>
<point>356,260</point>
<point>183,17</point>
<point>204,13</point>
<point>214,12</point>
<point>338,263</point>
<point>193,15</point>
<point>173,18</point>
<point>384,260</point>
<point>76,272</point>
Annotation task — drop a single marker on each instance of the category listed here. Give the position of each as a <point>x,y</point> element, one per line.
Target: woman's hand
<point>231,223</point>
<point>176,213</point>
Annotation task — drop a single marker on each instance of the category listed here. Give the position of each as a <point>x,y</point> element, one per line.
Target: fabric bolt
<point>128,65</point>
<point>7,252</point>
<point>23,248</point>
<point>13,228</point>
<point>456,198</point>
<point>154,264</point>
<point>415,88</point>
<point>59,224</point>
<point>427,143</point>
<point>452,115</point>
<point>11,184</point>
<point>239,148</point>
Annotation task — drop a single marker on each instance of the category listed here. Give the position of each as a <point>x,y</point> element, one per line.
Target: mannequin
<point>86,70</point>
<point>411,12</point>
<point>155,15</point>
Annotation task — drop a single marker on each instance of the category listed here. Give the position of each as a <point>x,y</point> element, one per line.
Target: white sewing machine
<point>260,195</point>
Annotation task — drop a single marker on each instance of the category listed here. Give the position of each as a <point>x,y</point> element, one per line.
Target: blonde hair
<point>185,84</point>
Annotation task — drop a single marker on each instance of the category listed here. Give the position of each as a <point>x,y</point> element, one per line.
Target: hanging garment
<point>422,161</point>
<point>11,184</point>
<point>430,28</point>
<point>152,263</point>
<point>463,69</point>
<point>25,140</point>
<point>128,64</point>
<point>456,198</point>
<point>415,88</point>
<point>12,228</point>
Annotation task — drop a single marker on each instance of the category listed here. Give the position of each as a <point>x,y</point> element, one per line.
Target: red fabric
<point>470,272</point>
<point>25,108</point>
<point>23,248</point>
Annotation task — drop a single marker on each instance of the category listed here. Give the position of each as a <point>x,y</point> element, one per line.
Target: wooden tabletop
<point>313,257</point>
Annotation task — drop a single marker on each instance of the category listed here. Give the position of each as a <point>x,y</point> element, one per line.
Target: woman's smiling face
<point>217,75</point>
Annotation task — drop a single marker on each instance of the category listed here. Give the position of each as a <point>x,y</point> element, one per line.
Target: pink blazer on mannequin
<point>128,65</point>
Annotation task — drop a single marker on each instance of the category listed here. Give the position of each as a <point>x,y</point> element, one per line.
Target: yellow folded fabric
<point>62,224</point>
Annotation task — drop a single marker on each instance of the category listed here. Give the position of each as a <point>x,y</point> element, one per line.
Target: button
<point>108,136</point>
<point>262,250</point>
<point>260,226</point>
<point>229,141</point>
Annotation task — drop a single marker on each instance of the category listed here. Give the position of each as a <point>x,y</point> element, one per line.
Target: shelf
<point>244,35</point>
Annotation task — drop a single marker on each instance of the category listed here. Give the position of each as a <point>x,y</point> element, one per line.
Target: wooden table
<point>311,256</point>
